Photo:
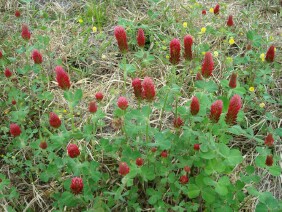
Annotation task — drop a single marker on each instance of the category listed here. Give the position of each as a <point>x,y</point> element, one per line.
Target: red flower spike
<point>92,107</point>
<point>233,109</point>
<point>14,102</point>
<point>188,42</point>
<point>216,110</point>
<point>43,145</point>
<point>120,35</point>
<point>196,147</point>
<point>17,13</point>
<point>37,57</point>
<point>164,154</point>
<point>73,150</point>
<point>216,9</point>
<point>123,168</point>
<point>269,160</point>
<point>199,76</point>
<point>174,51</point>
<point>269,140</point>
<point>1,54</point>
<point>207,65</point>
<point>195,106</point>
<point>140,38</point>
<point>122,103</point>
<point>204,12</point>
<point>148,91</point>
<point>137,87</point>
<point>233,80</point>
<point>15,130</point>
<point>139,161</point>
<point>76,185</point>
<point>270,54</point>
<point>230,21</point>
<point>25,32</point>
<point>187,169</point>
<point>54,120</point>
<point>183,179</point>
<point>99,96</point>
<point>153,149</point>
<point>62,78</point>
<point>8,73</point>
<point>178,122</point>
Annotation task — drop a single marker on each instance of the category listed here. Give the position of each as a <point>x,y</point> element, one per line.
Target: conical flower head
<point>207,65</point>
<point>270,54</point>
<point>76,185</point>
<point>1,54</point>
<point>195,106</point>
<point>62,78</point>
<point>233,80</point>
<point>139,161</point>
<point>178,122</point>
<point>43,145</point>
<point>269,140</point>
<point>183,179</point>
<point>120,35</point>
<point>123,168</point>
<point>137,87</point>
<point>25,32</point>
<point>15,130</point>
<point>233,109</point>
<point>230,21</point>
<point>54,120</point>
<point>188,42</point>
<point>37,57</point>
<point>8,73</point>
<point>122,103</point>
<point>99,96</point>
<point>148,91</point>
<point>269,160</point>
<point>17,13</point>
<point>92,107</point>
<point>199,76</point>
<point>216,110</point>
<point>174,51</point>
<point>216,9</point>
<point>140,38</point>
<point>73,150</point>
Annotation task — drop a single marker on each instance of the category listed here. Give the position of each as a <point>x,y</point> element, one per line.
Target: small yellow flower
<point>94,29</point>
<point>185,24</point>
<point>13,157</point>
<point>271,38</point>
<point>211,10</point>
<point>191,72</point>
<point>252,89</point>
<point>164,41</point>
<point>274,49</point>
<point>164,47</point>
<point>203,30</point>
<point>231,41</point>
<point>203,53</point>
<point>80,20</point>
<point>241,33</point>
<point>262,105</point>
<point>65,111</point>
<point>215,53</point>
<point>229,59</point>
<point>167,56</point>
<point>262,57</point>
<point>104,56</point>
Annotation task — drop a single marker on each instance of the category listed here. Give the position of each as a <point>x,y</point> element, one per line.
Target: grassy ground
<point>63,30</point>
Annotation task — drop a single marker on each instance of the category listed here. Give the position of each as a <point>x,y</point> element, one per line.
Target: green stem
<point>162,111</point>
<point>124,73</point>
<point>147,129</point>
<point>72,117</point>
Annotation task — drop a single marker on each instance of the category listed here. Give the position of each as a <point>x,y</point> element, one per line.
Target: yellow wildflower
<point>65,111</point>
<point>262,105</point>
<point>229,59</point>
<point>203,30</point>
<point>262,57</point>
<point>167,56</point>
<point>231,41</point>
<point>203,53</point>
<point>104,56</point>
<point>271,38</point>
<point>215,53</point>
<point>94,29</point>
<point>252,89</point>
<point>164,47</point>
<point>185,24</point>
<point>211,10</point>
<point>80,20</point>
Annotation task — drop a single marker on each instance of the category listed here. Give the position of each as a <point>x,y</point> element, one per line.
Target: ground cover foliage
<point>149,105</point>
